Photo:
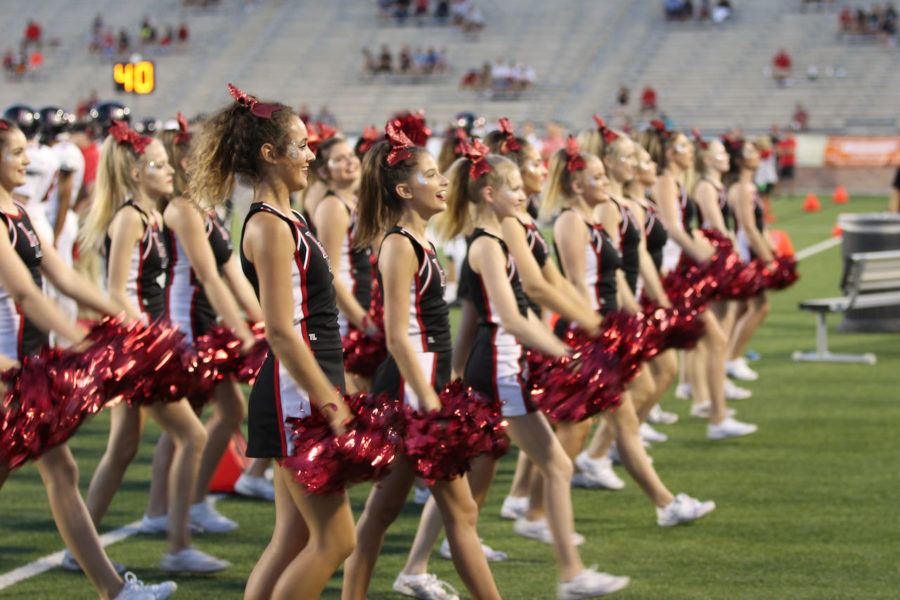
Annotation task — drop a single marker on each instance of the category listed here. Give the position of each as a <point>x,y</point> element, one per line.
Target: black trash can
<point>869,233</point>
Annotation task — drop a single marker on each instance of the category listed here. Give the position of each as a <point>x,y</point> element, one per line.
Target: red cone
<point>811,204</point>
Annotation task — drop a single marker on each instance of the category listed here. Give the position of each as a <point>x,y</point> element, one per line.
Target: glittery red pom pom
<point>363,353</point>
<point>782,276</point>
<point>578,386</point>
<point>441,444</point>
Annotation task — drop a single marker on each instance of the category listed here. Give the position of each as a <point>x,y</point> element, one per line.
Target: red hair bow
<point>699,138</point>
<point>325,132</point>
<point>476,152</point>
<point>369,137</point>
<point>400,144</point>
<point>733,143</point>
<point>574,161</point>
<point>183,134</point>
<point>264,111</point>
<point>123,134</point>
<point>609,136</point>
<point>510,144</point>
<point>660,127</point>
<point>4,126</point>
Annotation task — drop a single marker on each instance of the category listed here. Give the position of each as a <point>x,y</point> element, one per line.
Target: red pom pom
<point>578,386</point>
<point>218,355</point>
<point>441,444</point>
<point>362,352</point>
<point>47,399</point>
<point>141,364</point>
<point>675,327</point>
<point>326,463</point>
<point>782,276</point>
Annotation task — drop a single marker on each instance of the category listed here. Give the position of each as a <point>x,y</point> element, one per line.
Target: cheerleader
<point>712,161</point>
<point>655,237</point>
<point>336,214</point>
<point>621,218</point>
<point>401,189</point>
<point>578,184</point>
<point>134,174</point>
<point>26,318</point>
<point>288,268</point>
<point>752,242</point>
<point>489,188</point>
<point>673,152</point>
<point>203,280</point>
<point>544,285</point>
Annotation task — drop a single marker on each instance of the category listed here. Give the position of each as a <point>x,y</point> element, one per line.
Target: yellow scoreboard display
<point>134,78</point>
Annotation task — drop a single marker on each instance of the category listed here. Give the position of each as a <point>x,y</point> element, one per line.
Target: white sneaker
<point>513,507</point>
<point>729,428</point>
<point>683,509</point>
<point>135,589</point>
<point>739,369</point>
<point>421,495</point>
<point>596,473</point>
<point>70,564</point>
<point>160,524</point>
<point>489,553</point>
<point>425,586</point>
<point>540,531</point>
<point>590,584</point>
<point>206,517</point>
<point>658,416</point>
<point>191,560</point>
<point>734,392</point>
<point>683,391</point>
<point>703,410</point>
<point>254,487</point>
<point>649,434</point>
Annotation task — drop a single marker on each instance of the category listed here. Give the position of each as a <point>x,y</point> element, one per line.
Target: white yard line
<point>45,563</point>
<point>816,248</point>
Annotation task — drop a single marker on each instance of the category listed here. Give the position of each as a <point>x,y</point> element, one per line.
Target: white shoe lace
<point>436,588</point>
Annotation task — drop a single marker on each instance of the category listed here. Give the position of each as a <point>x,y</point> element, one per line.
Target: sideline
<point>816,248</point>
<point>45,563</point>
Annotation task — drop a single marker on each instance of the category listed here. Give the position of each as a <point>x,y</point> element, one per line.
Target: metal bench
<point>872,280</point>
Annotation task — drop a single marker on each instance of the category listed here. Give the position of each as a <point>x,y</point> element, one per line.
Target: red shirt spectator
<point>183,33</point>
<point>32,33</point>
<point>786,151</point>
<point>782,60</point>
<point>801,118</point>
<point>648,99</point>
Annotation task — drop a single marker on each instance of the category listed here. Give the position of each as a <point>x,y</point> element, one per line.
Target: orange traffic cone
<point>840,195</point>
<point>781,241</point>
<point>836,232</point>
<point>233,463</point>
<point>811,204</point>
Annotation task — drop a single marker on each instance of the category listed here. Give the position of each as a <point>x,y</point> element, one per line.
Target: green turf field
<point>807,507</point>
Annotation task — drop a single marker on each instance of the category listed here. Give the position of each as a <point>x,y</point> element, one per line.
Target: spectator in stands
<point>384,9</point>
<point>385,60</point>
<point>845,20</point>
<point>648,100</point>
<point>401,11</point>
<point>705,11</point>
<point>622,96</point>
<point>443,62</point>
<point>368,64</point>
<point>722,11</point>
<point>473,23</point>
<point>500,75</point>
<point>442,11</point>
<point>554,140</point>
<point>124,44</point>
<point>33,36</point>
<point>421,9</point>
<point>183,33</point>
<point>801,118</point>
<point>766,175</point>
<point>781,67</point>
<point>405,60</point>
<point>9,61</point>
<point>785,151</point>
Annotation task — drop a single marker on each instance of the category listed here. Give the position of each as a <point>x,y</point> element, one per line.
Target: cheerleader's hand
<point>368,327</point>
<point>247,342</point>
<point>338,416</point>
